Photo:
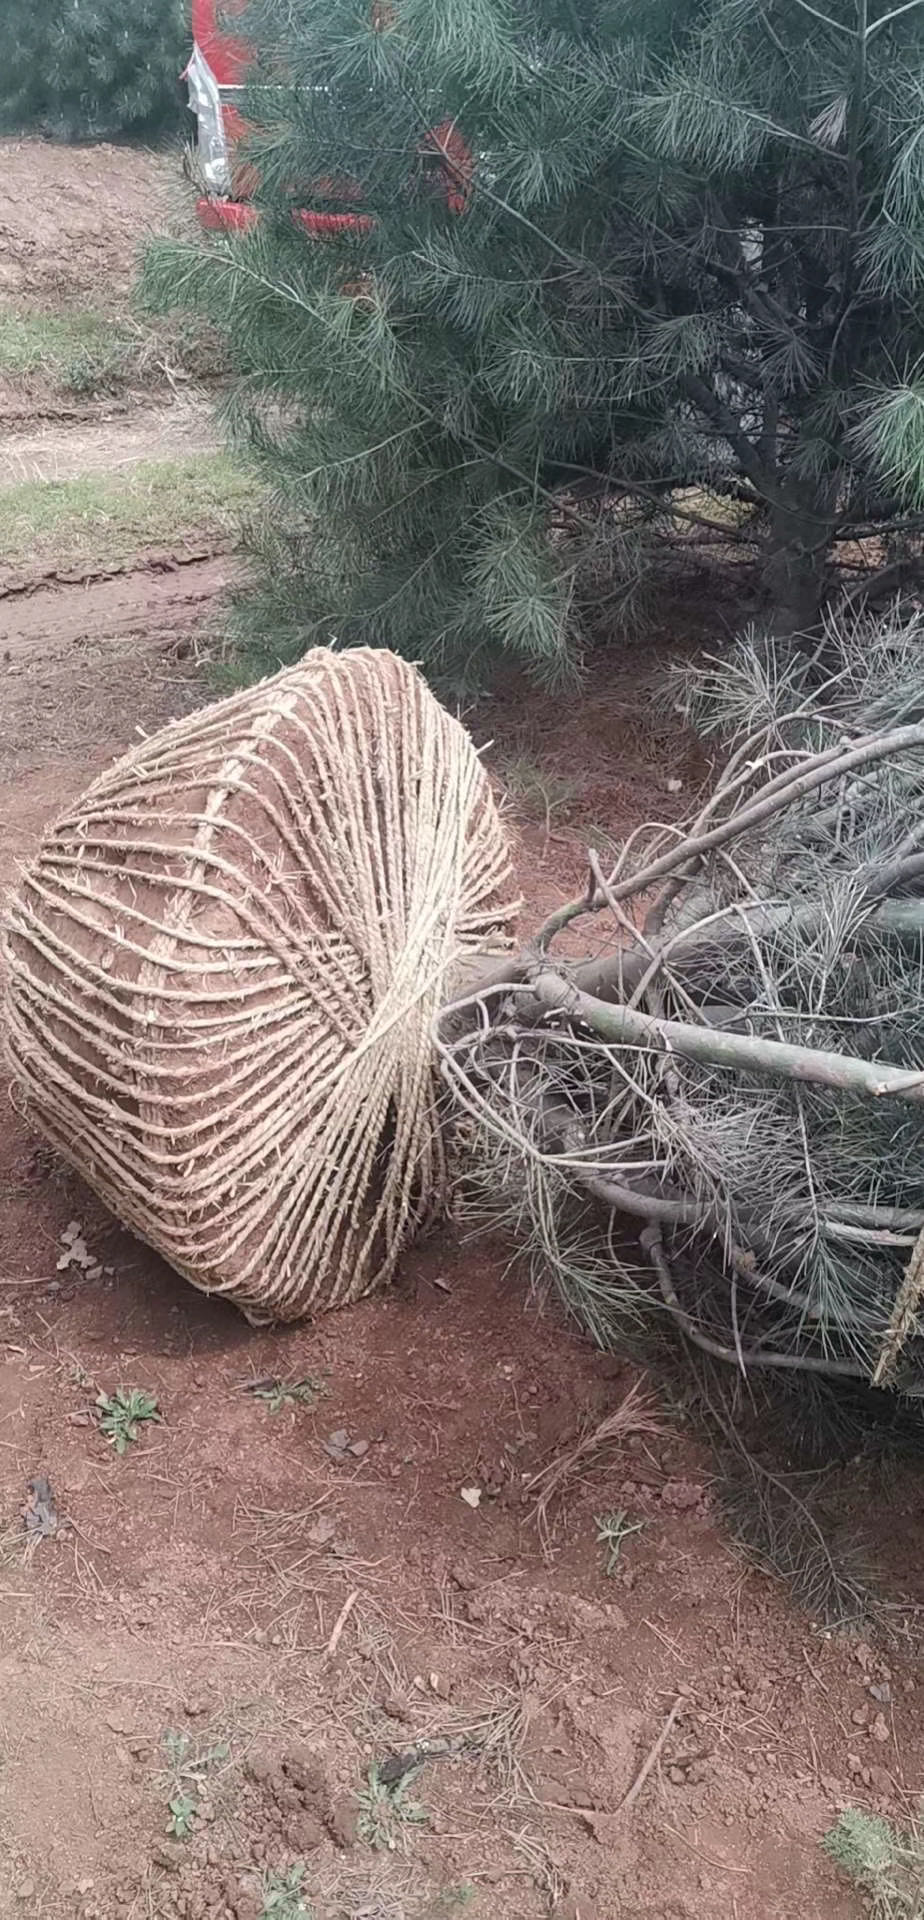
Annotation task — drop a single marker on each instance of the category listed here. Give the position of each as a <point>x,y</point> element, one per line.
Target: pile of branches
<point>717,1116</point>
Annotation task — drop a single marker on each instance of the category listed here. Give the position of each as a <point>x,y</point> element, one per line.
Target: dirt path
<point>55,451</point>
<point>72,219</point>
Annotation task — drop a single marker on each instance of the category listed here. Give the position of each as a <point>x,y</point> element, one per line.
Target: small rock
<point>341,1823</point>
<point>166,1856</point>
<point>440,1686</point>
<point>396,1708</point>
<point>248,1904</point>
<point>681,1495</point>
<point>322,1532</point>
<point>880,1729</point>
<point>860,1716</point>
<point>471,1496</point>
<point>854,1763</point>
<point>677,1776</point>
<point>26,1890</point>
<point>880,1691</point>
<point>195,1707</point>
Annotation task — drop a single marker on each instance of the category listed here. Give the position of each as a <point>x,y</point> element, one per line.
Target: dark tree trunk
<point>795,576</point>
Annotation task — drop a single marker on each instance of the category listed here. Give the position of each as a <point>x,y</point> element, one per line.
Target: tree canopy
<point>618,273</point>
<point>91,68</point>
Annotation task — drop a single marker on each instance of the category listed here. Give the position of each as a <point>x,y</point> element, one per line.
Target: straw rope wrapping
<point>225,964</point>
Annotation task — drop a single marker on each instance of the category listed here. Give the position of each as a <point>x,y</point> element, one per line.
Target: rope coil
<point>224,966</point>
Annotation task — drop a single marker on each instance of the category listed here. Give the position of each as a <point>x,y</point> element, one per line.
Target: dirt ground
<point>239,1619</point>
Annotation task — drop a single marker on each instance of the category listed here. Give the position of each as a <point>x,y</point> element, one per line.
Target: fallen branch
<point>653,1244</point>
<point>339,1624</point>
<point>717,1047</point>
<point>777,794</point>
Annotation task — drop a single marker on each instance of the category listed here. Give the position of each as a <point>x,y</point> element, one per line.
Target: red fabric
<point>221,215</point>
<point>228,56</point>
<point>237,216</point>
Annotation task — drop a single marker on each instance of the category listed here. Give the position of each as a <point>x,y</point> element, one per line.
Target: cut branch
<point>777,794</point>
<point>715,1047</point>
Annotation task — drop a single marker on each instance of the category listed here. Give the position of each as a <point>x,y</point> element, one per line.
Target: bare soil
<point>198,1581</point>
<point>72,219</point>
<point>298,1611</point>
<point>60,451</point>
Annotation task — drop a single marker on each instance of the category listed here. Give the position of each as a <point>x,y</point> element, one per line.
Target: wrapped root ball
<point>223,968</point>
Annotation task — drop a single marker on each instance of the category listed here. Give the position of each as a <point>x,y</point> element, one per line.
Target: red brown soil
<point>195,1590</point>
<point>73,218</point>
<point>198,1581</point>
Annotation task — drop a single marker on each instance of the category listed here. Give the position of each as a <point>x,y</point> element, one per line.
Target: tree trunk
<point>796,570</point>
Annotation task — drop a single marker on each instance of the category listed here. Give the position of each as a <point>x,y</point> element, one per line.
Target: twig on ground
<point>340,1622</point>
<point>652,1757</point>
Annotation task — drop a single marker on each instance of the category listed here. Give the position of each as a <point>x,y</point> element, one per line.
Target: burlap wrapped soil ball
<point>223,968</point>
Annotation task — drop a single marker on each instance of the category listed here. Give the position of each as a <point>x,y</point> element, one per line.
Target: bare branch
<point>759,1356</point>
<point>717,1047</point>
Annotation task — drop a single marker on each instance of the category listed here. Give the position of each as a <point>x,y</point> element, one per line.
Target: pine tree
<point>619,272</point>
<point>79,68</point>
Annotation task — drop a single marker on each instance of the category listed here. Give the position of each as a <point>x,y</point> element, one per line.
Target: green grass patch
<point>83,352</point>
<point>98,518</point>
<point>74,351</point>
<point>886,1864</point>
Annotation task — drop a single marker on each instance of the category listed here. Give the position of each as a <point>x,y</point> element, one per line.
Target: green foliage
<point>182,1810</point>
<point>385,1810</point>
<point>454,1900</point>
<point>284,1895</point>
<point>122,1413</point>
<point>103,516</point>
<point>612,1530</point>
<point>687,253</point>
<point>886,1865</point>
<point>187,1771</point>
<point>92,68</point>
<point>277,1394</point>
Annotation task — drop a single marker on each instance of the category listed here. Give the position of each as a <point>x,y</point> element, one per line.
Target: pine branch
<point>653,1244</point>
<point>716,1047</point>
<point>783,791</point>
<point>721,416</point>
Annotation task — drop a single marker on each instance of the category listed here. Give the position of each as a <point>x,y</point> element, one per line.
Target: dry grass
<point>636,1414</point>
